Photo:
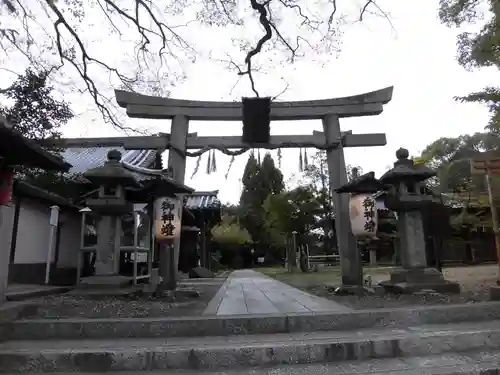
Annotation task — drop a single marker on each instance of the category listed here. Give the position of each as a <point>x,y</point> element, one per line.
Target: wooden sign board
<point>485,162</point>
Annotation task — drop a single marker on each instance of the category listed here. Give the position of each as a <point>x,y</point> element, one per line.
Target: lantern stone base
<point>105,286</point>
<point>407,281</point>
<point>349,290</point>
<point>172,295</point>
<point>495,293</point>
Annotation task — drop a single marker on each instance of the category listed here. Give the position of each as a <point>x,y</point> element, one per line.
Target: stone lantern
<point>406,196</point>
<point>110,205</point>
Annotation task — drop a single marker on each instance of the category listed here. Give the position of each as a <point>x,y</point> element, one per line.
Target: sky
<point>416,55</point>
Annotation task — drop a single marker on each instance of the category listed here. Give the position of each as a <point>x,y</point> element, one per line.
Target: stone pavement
<point>250,292</point>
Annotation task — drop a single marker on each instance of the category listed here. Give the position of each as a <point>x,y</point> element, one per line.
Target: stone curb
<point>35,293</point>
<point>245,355</point>
<point>12,311</point>
<point>245,324</point>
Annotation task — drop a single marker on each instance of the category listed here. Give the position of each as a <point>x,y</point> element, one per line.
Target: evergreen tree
<point>35,112</point>
<point>270,178</point>
<point>249,181</point>
<point>259,181</point>
<point>37,115</point>
<point>477,49</point>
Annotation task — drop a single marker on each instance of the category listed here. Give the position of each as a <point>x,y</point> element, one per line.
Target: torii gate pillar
<point>350,257</point>
<point>178,136</point>
<point>177,164</point>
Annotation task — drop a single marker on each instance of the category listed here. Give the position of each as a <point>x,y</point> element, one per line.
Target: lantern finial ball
<point>402,153</point>
<point>114,155</point>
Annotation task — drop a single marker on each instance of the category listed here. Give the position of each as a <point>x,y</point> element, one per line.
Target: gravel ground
<point>474,280</point>
<point>400,300</point>
<point>68,306</point>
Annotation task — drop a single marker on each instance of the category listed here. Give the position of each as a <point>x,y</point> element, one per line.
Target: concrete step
<point>246,351</point>
<point>41,329</point>
<point>474,363</point>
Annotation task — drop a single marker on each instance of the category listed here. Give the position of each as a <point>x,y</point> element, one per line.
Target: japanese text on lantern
<point>369,214</point>
<point>167,219</point>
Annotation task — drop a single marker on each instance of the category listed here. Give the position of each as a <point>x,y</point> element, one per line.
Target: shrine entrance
<point>331,140</point>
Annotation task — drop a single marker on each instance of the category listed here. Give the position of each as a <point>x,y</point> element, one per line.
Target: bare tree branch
<point>281,92</point>
<point>157,42</point>
<point>363,10</point>
<point>78,56</point>
<point>269,25</point>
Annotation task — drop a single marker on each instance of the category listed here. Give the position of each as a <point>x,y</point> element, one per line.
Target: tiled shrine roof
<point>18,150</point>
<point>85,158</point>
<point>202,200</point>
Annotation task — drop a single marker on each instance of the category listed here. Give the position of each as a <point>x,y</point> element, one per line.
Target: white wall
<point>33,232</point>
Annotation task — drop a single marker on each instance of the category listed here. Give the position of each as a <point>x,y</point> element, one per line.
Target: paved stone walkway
<point>250,292</point>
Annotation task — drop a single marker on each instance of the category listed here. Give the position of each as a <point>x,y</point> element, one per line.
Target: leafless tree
<point>54,33</point>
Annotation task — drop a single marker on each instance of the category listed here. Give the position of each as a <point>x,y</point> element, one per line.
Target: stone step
<point>246,351</point>
<point>472,363</point>
<point>41,329</point>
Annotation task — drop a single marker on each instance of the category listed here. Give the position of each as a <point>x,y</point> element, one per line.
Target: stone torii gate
<point>331,139</point>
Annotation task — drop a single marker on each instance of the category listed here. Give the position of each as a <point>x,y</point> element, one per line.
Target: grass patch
<point>471,278</point>
<point>330,275</point>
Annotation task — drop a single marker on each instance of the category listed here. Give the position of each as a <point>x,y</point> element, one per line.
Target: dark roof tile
<point>202,200</point>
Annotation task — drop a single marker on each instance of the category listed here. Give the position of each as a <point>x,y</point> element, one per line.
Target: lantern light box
<point>363,214</point>
<point>167,218</point>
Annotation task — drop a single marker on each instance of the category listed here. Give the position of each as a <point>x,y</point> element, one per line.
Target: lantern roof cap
<point>112,172</point>
<point>405,170</point>
<point>364,184</point>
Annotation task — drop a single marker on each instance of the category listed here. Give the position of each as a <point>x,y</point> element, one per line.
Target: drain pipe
<point>54,221</point>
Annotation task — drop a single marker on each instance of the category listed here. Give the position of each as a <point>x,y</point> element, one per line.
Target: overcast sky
<point>417,57</point>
